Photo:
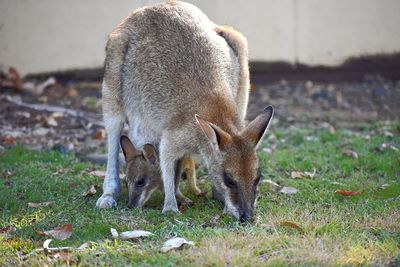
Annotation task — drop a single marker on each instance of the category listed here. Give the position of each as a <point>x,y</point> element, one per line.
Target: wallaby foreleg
<point>168,161</point>
<point>111,185</point>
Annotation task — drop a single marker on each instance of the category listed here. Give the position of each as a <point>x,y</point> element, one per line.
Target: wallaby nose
<point>245,217</point>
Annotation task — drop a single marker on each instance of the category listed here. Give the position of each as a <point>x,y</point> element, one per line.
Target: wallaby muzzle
<point>133,199</point>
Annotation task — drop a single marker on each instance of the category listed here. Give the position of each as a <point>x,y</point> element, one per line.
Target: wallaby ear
<point>150,154</point>
<point>128,148</point>
<point>217,137</point>
<point>256,129</point>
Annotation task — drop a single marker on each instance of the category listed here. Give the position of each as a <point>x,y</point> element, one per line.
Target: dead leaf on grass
<point>292,225</point>
<point>272,185</point>
<point>90,192</point>
<point>50,122</point>
<point>130,234</point>
<point>346,193</point>
<point>40,205</point>
<point>100,174</point>
<point>9,140</point>
<point>84,246</point>
<point>100,134</point>
<point>60,233</point>
<point>303,175</point>
<point>289,190</point>
<point>350,153</point>
<point>175,243</point>
<point>385,146</point>
<point>114,233</point>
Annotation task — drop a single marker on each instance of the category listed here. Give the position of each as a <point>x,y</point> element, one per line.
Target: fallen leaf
<point>253,87</point>
<point>303,175</point>
<point>384,186</point>
<point>90,192</point>
<point>289,190</point>
<point>388,134</point>
<point>60,233</point>
<point>41,204</point>
<point>57,115</point>
<point>346,193</point>
<point>100,134</point>
<point>84,246</point>
<point>100,174</point>
<point>134,234</point>
<point>46,244</point>
<point>9,140</point>
<point>130,234</point>
<point>388,146</point>
<point>175,243</point>
<point>292,225</point>
<point>114,233</point>
<point>50,122</point>
<point>350,153</point>
<point>49,82</point>
<point>47,249</point>
<point>272,185</point>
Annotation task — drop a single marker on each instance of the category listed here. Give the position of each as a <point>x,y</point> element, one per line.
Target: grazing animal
<point>182,83</point>
<point>143,175</point>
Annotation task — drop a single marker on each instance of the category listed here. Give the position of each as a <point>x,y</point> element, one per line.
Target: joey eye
<point>229,182</point>
<point>141,181</point>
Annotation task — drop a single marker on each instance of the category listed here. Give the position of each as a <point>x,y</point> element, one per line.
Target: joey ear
<point>215,135</point>
<point>128,148</point>
<point>256,129</point>
<point>150,154</point>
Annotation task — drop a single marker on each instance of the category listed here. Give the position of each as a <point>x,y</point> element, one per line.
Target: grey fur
<point>164,64</point>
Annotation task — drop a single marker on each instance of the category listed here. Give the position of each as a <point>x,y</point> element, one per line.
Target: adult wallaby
<point>182,83</point>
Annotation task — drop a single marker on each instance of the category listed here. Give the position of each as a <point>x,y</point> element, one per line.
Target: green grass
<point>338,230</point>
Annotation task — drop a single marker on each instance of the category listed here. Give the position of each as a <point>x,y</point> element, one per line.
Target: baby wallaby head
<point>142,172</point>
<point>233,164</point>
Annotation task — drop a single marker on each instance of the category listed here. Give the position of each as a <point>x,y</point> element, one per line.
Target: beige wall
<point>49,35</point>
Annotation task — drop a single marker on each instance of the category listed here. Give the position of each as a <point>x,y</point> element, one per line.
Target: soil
<point>373,98</point>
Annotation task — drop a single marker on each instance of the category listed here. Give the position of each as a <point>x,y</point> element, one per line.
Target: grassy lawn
<point>333,229</point>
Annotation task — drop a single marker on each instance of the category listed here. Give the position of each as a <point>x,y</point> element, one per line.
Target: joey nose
<point>246,217</point>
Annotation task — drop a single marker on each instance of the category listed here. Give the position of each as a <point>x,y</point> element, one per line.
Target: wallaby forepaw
<point>172,210</point>
<point>186,202</point>
<point>106,202</point>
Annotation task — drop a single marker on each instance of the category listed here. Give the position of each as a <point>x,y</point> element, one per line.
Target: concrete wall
<point>49,35</point>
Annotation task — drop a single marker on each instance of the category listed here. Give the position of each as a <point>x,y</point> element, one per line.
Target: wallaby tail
<point>238,43</point>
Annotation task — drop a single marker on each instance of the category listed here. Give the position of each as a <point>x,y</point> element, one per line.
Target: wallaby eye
<point>141,181</point>
<point>229,182</point>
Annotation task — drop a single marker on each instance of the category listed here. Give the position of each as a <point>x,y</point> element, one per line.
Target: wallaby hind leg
<point>189,169</point>
<point>111,185</point>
